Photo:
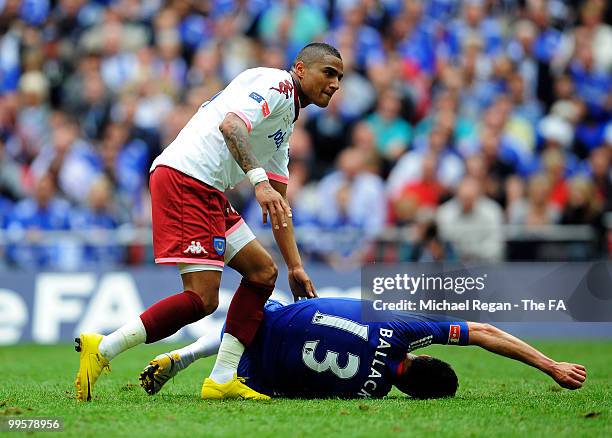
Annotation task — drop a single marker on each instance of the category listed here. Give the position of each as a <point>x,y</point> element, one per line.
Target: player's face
<point>321,80</point>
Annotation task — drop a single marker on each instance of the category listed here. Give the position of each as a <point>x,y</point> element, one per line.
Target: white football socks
<point>203,347</point>
<point>226,366</point>
<point>128,336</point>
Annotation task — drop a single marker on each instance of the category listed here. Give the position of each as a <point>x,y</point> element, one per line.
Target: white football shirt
<point>265,99</point>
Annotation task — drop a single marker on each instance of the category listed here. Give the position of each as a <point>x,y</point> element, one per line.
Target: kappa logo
<point>454,333</point>
<point>284,87</point>
<point>195,248</point>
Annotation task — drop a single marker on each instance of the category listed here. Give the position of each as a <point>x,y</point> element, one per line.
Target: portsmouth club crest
<point>219,245</point>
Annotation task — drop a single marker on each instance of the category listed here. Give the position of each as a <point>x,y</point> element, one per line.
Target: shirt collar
<point>296,99</point>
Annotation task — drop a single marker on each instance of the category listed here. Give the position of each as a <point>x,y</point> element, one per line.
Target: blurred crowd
<point>454,118</point>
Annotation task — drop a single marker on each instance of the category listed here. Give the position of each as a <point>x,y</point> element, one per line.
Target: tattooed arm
<point>236,137</point>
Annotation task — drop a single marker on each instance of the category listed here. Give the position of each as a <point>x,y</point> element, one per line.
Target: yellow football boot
<point>91,364</point>
<point>158,372</point>
<point>234,389</point>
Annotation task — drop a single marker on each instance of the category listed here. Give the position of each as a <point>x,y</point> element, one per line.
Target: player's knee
<point>267,274</point>
<point>209,295</point>
<point>210,300</point>
<point>210,304</point>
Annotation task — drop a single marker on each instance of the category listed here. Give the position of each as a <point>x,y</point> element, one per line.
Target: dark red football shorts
<point>190,219</point>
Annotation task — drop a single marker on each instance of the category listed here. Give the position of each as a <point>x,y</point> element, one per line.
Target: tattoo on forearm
<point>236,139</point>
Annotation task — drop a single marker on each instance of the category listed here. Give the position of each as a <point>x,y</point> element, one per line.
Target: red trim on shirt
<point>244,118</point>
<point>276,177</point>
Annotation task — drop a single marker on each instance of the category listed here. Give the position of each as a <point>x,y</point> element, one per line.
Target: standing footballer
<point>243,130</point>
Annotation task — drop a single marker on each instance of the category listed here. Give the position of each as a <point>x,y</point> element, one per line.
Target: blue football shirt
<point>323,348</point>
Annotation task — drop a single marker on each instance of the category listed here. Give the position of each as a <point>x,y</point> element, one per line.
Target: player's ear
<point>299,67</point>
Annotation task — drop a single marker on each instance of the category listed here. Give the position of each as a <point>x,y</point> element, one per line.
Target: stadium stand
<point>464,130</point>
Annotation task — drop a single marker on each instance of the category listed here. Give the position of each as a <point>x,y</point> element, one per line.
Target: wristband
<point>257,175</point>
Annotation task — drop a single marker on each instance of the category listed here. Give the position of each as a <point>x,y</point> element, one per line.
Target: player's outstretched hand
<point>272,203</point>
<point>300,284</point>
<point>568,375</point>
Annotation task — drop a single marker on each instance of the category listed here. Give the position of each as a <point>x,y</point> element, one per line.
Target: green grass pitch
<point>496,397</point>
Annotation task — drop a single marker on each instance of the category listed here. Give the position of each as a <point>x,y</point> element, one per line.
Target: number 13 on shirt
<point>330,362</point>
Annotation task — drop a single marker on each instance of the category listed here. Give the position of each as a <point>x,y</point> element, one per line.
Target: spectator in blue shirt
<point>477,90</point>
<point>95,221</point>
<point>476,23</point>
<point>415,43</point>
<point>125,161</point>
<point>548,38</point>
<point>70,159</point>
<point>94,108</point>
<point>593,85</point>
<point>366,41</point>
<point>9,58</point>
<point>43,212</point>
<point>352,209</point>
<point>6,206</point>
